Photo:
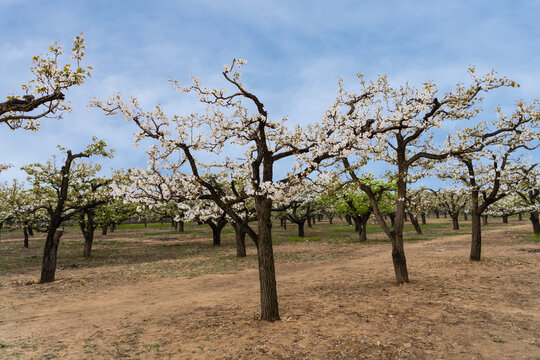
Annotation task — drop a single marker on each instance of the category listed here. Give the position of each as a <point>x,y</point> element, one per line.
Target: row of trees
<point>397,126</point>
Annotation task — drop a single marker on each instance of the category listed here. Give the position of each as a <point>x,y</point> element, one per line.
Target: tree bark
<point>25,231</point>
<point>363,228</point>
<point>30,231</point>
<point>414,221</point>
<point>88,241</point>
<point>505,219</point>
<point>240,240</point>
<point>356,220</point>
<point>104,230</point>
<point>476,244</point>
<point>392,219</point>
<point>520,217</point>
<point>180,226</point>
<point>455,222</point>
<point>423,216</point>
<point>398,250</point>
<point>437,213</point>
<point>216,235</point>
<point>330,219</point>
<point>484,219</point>
<point>48,269</point>
<point>301,228</point>
<point>265,256</point>
<point>309,221</point>
<point>535,222</point>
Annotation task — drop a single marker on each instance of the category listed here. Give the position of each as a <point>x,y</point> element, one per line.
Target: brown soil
<point>345,306</point>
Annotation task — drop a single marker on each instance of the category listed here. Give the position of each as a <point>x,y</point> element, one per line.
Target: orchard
<point>401,222</point>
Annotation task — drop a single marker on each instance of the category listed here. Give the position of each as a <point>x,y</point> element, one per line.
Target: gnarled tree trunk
<point>265,252</point>
<point>48,269</point>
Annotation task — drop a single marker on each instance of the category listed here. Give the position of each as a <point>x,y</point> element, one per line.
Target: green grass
<point>163,251</point>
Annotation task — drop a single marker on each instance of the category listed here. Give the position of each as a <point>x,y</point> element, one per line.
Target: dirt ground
<point>343,305</point>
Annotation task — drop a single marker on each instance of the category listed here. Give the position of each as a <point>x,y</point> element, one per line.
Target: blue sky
<point>296,52</point>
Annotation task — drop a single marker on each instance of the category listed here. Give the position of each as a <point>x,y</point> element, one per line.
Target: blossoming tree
<point>56,188</point>
<point>493,173</point>
<point>236,118</point>
<point>402,122</point>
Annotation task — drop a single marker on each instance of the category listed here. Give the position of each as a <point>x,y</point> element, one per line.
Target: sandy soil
<point>344,307</point>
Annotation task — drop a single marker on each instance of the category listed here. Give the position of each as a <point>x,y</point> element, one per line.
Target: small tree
<point>453,201</point>
<point>402,122</point>
<point>55,186</point>
<point>493,173</point>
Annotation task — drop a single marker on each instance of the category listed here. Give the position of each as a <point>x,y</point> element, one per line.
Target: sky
<point>296,52</point>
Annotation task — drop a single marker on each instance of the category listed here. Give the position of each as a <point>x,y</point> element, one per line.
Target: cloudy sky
<point>296,51</point>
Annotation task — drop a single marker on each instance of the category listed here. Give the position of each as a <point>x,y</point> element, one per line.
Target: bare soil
<point>337,301</point>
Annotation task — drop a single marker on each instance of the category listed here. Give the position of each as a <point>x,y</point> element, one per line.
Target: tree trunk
<point>455,222</point>
<point>363,228</point>
<point>405,217</point>
<point>348,219</point>
<point>330,219</point>
<point>30,231</point>
<point>520,217</point>
<point>476,244</point>
<point>48,268</point>
<point>465,216</point>
<point>356,223</point>
<point>535,222</point>
<point>88,241</point>
<point>216,235</point>
<point>265,256</point>
<point>414,221</point>
<point>309,221</point>
<point>423,216</point>
<point>25,231</point>
<point>399,260</point>
<point>145,222</point>
<point>240,240</point>
<point>104,230</point>
<point>180,226</point>
<point>505,219</point>
<point>437,213</point>
<point>484,219</point>
<point>301,228</point>
<point>392,219</point>
<point>398,250</point>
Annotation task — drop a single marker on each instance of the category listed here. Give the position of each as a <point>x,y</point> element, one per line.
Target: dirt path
<point>346,308</point>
